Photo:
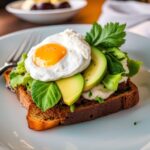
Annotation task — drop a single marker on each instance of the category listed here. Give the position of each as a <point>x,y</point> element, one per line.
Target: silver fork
<point>15,56</point>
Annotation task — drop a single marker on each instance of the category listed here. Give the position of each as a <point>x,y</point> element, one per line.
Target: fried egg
<point>58,56</point>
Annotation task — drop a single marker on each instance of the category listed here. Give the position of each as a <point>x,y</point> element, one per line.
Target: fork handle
<point>5,67</point>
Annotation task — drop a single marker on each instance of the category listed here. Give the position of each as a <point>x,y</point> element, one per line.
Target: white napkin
<point>142,29</point>
<point>135,14</point>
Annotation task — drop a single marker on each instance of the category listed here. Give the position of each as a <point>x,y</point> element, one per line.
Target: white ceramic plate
<point>113,132</point>
<point>46,16</point>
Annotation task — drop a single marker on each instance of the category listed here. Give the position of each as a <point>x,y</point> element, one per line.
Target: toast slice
<point>126,97</point>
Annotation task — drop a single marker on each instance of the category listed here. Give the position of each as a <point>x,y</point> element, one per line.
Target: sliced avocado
<point>96,71</point>
<point>71,88</point>
<point>111,82</point>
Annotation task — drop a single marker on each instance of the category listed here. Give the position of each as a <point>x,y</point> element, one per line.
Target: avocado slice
<point>96,71</point>
<point>111,82</point>
<point>71,88</point>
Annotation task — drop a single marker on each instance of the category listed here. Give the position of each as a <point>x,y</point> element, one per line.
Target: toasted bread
<point>85,110</point>
<point>24,98</point>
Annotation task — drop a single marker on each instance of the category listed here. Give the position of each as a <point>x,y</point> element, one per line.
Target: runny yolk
<point>49,54</point>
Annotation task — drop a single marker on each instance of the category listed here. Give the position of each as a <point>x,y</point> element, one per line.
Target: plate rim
<point>40,27</point>
<point>58,25</point>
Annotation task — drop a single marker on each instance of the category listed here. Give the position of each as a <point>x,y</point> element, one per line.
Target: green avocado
<point>71,88</point>
<point>111,82</point>
<point>96,71</point>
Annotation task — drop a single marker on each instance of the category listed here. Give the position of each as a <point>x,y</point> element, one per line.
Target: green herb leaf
<point>99,99</point>
<point>134,66</point>
<point>45,94</point>
<point>116,52</point>
<point>135,123</point>
<point>111,35</point>
<point>94,34</point>
<point>72,108</point>
<point>90,94</point>
<point>111,82</point>
<point>114,65</point>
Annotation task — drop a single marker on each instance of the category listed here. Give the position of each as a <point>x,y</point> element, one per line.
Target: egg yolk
<point>48,55</point>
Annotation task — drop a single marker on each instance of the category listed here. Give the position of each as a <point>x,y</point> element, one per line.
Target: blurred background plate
<point>125,130</point>
<point>46,16</point>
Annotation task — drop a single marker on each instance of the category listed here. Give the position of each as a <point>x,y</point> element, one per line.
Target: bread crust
<point>40,124</point>
<point>24,98</point>
<point>88,110</point>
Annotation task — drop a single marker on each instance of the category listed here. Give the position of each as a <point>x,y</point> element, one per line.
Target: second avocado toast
<point>97,85</point>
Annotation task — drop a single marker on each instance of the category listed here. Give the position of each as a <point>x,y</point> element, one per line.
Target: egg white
<point>76,60</point>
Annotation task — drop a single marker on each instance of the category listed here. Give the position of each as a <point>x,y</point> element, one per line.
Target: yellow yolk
<point>48,55</point>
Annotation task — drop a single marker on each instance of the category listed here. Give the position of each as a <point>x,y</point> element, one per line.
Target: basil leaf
<point>45,94</point>
<point>114,66</point>
<point>134,66</point>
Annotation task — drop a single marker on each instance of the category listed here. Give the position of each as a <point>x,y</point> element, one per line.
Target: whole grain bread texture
<point>126,97</point>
